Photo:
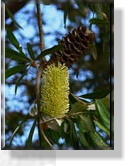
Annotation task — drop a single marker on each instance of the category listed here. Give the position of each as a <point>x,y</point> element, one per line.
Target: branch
<point>39,19</point>
<point>39,73</point>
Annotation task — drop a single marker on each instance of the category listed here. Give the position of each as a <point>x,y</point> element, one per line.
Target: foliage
<point>87,124</point>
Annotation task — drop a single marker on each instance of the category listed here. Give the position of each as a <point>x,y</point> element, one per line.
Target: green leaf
<point>65,15</point>
<point>98,21</point>
<point>49,51</point>
<point>11,71</point>
<point>29,140</point>
<point>93,51</point>
<point>72,98</point>
<point>13,39</point>
<point>83,140</point>
<point>102,127</point>
<point>30,51</point>
<point>78,107</point>
<point>18,81</point>
<point>103,113</point>
<point>16,130</point>
<point>97,94</point>
<point>85,123</point>
<point>14,55</point>
<point>73,134</point>
<point>97,140</point>
<point>12,17</point>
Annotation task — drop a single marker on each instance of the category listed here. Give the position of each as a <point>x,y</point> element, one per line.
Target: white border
<point>2,80</point>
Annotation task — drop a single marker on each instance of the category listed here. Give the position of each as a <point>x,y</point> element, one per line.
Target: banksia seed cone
<point>75,44</point>
<point>55,90</point>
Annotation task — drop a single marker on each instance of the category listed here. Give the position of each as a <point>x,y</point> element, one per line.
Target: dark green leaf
<point>11,71</point>
<point>18,81</point>
<point>104,115</point>
<point>78,107</point>
<point>14,55</point>
<point>85,123</point>
<point>94,52</point>
<point>65,15</point>
<point>13,39</point>
<point>29,140</point>
<point>72,98</point>
<point>97,94</point>
<point>16,130</point>
<point>73,134</point>
<point>102,127</point>
<point>98,21</point>
<point>98,140</point>
<point>83,140</point>
<point>30,51</point>
<point>12,17</point>
<point>49,51</point>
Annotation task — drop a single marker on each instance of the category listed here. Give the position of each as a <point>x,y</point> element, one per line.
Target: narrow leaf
<point>97,94</point>
<point>29,140</point>
<point>11,71</point>
<point>18,81</point>
<point>102,127</point>
<point>15,131</point>
<point>30,51</point>
<point>14,55</point>
<point>12,17</point>
<point>94,52</point>
<point>98,140</point>
<point>65,16</point>
<point>104,115</point>
<point>13,39</point>
<point>49,51</point>
<point>83,140</point>
<point>85,123</point>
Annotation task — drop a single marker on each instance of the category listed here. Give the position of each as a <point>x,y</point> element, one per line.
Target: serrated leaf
<point>11,71</point>
<point>30,51</point>
<point>29,140</point>
<point>14,55</point>
<point>49,51</point>
<point>12,17</point>
<point>103,113</point>
<point>97,94</point>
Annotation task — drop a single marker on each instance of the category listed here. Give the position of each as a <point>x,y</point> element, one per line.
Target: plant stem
<point>39,74</point>
<point>40,69</point>
<point>39,19</point>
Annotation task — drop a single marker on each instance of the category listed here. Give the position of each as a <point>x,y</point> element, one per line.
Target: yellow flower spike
<point>55,91</point>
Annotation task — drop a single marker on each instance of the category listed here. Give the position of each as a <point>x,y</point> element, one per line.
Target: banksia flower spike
<point>55,91</point>
<point>75,44</point>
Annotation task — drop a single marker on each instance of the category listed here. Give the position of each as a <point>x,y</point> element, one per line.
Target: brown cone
<point>75,44</point>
